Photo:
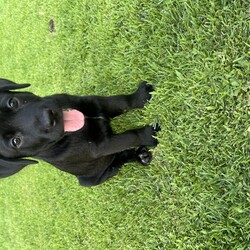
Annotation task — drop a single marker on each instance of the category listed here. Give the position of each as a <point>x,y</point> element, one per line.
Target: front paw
<point>143,94</point>
<point>147,135</point>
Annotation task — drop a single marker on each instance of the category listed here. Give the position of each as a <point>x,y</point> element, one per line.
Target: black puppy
<point>73,133</point>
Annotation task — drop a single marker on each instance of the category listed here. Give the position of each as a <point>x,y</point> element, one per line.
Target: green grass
<point>196,193</point>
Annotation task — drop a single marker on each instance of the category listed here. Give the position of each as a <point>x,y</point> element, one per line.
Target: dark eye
<point>13,103</point>
<point>16,142</point>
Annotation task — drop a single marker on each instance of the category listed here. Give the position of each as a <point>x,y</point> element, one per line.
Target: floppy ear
<point>11,166</point>
<point>6,85</point>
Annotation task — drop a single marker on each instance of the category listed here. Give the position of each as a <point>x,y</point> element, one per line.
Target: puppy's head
<point>29,125</point>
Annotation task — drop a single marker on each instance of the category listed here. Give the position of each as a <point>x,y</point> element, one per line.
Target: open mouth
<point>73,120</point>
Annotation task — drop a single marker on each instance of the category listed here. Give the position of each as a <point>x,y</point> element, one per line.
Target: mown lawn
<point>196,193</point>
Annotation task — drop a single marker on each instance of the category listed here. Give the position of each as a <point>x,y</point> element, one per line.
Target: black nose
<point>48,118</point>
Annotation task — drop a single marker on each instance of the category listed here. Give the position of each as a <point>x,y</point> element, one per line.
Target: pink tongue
<point>73,120</point>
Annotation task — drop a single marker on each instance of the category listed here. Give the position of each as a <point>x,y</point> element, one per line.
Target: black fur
<point>31,126</point>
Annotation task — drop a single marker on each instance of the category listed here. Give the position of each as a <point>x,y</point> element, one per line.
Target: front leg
<point>111,106</point>
<point>118,143</point>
